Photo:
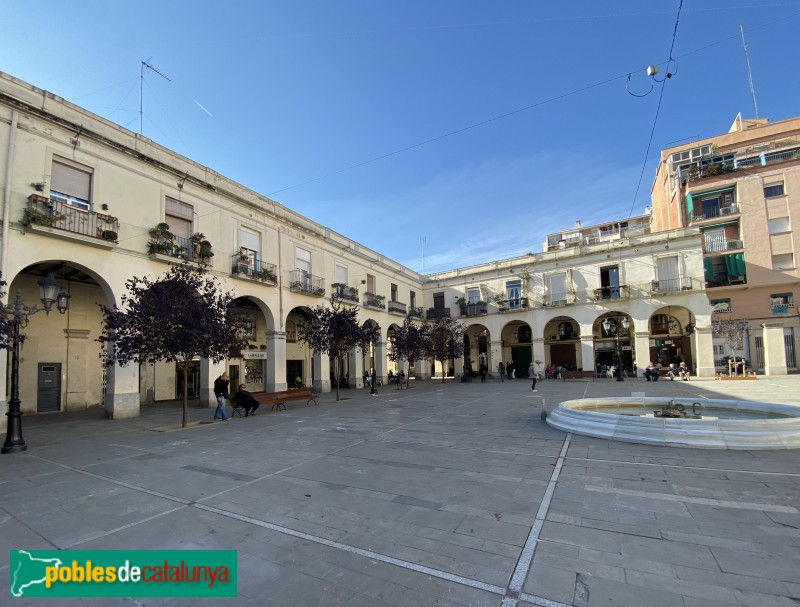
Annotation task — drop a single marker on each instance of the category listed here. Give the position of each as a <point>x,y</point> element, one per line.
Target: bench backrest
<point>267,397</point>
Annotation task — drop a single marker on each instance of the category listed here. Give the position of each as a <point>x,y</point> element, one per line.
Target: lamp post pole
<point>619,359</point>
<point>50,293</point>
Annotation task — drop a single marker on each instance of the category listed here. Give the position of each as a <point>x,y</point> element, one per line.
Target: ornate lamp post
<point>611,327</point>
<point>50,293</point>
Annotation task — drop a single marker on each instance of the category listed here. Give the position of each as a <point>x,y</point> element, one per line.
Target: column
<point>356,362</point>
<point>496,357</point>
<point>380,361</point>
<point>538,354</point>
<point>322,379</point>
<point>209,372</point>
<point>122,391</point>
<point>587,351</point>
<point>3,391</point>
<point>422,369</point>
<point>704,352</point>
<point>774,349</point>
<point>276,361</point>
<point>642,353</point>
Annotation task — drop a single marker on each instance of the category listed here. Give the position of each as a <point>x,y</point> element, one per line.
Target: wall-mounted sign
<point>255,356</point>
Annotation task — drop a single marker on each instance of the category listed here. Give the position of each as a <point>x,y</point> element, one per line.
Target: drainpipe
<point>12,137</point>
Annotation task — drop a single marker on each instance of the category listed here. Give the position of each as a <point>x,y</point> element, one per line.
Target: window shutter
<point>71,179</point>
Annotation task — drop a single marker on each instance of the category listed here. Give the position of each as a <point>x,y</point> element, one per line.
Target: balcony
<point>725,280</point>
<point>343,292</point>
<point>303,282</point>
<point>478,308</point>
<point>434,313</point>
<point>611,293</point>
<point>512,305</point>
<point>395,307</point>
<point>376,302</point>
<point>671,285</point>
<point>52,216</point>
<point>555,300</point>
<point>245,267</point>
<point>174,249</point>
<point>715,212</point>
<point>720,246</point>
<point>416,312</point>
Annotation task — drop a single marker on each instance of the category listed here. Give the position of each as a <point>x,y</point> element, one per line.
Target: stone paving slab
<point>446,495</point>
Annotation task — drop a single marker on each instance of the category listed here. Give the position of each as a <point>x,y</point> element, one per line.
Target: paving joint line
<point>680,467</point>
<point>514,590</point>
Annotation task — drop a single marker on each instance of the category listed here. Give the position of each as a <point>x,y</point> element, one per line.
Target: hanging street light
<point>49,293</point>
<point>610,327</point>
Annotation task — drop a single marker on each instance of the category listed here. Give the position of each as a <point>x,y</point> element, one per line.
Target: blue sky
<point>479,126</point>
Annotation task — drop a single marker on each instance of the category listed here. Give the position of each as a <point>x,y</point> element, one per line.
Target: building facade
<point>93,204</point>
<point>740,189</point>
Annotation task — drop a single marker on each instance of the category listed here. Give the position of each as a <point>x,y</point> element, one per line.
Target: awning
<point>734,264</point>
<point>708,263</point>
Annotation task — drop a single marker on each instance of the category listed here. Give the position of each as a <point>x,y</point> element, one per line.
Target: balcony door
<point>609,281</point>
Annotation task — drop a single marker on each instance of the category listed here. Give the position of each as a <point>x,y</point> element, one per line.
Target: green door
<point>521,355</point>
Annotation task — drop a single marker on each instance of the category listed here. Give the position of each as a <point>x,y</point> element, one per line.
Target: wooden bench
<point>279,399</point>
<point>565,375</point>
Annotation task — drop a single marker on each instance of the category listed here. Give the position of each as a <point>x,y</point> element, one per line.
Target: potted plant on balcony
<point>462,303</point>
<point>155,246</point>
<point>204,251</point>
<point>109,235</point>
<point>161,230</point>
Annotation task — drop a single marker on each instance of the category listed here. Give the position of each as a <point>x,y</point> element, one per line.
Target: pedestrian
<point>483,373</point>
<point>244,399</point>
<point>510,370</point>
<point>501,368</point>
<point>372,389</point>
<point>221,392</point>
<point>532,376</point>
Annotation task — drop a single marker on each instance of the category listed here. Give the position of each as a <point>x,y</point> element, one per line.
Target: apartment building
<point>92,204</point>
<point>740,189</point>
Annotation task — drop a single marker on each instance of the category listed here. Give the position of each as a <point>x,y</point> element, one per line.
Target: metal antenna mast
<point>422,242</point>
<point>749,73</point>
<point>145,64</point>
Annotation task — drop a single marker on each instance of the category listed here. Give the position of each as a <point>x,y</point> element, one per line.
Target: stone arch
<point>479,350</point>
<point>613,342</point>
<point>670,329</point>
<point>516,345</point>
<point>259,366</point>
<point>300,361</point>
<point>562,343</point>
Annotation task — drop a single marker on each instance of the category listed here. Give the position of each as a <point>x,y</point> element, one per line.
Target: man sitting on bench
<point>244,399</point>
<point>651,372</point>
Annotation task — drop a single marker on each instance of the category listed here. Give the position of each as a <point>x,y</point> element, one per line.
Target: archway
<point>477,348</point>
<point>562,343</point>
<point>258,367</point>
<point>516,340</point>
<point>614,344</point>
<point>670,328</point>
<point>301,363</point>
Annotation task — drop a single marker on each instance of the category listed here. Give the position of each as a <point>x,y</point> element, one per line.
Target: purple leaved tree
<point>175,318</point>
<point>335,331</point>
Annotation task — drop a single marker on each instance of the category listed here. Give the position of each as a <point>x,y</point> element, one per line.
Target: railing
<point>416,312</point>
<point>303,282</point>
<point>509,305</point>
<point>344,292</point>
<point>554,300</point>
<point>245,266</point>
<point>718,246</point>
<point>478,308</point>
<point>607,293</point>
<point>177,247</point>
<point>397,307</point>
<point>434,313</point>
<point>711,213</point>
<point>724,280</point>
<point>671,285</point>
<point>374,301</point>
<point>50,212</point>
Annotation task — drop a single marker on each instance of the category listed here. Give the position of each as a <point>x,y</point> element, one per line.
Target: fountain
<point>706,424</point>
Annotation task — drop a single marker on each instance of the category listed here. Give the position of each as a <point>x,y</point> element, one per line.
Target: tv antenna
<point>749,72</point>
<point>145,64</point>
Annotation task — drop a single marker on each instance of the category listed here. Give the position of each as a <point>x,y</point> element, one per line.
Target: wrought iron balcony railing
<point>434,313</point>
<point>478,308</point>
<point>396,307</point>
<point>303,282</point>
<point>371,300</point>
<point>671,285</point>
<point>254,268</point>
<point>554,300</point>
<point>609,293</point>
<point>344,292</point>
<point>54,213</point>
<point>510,305</point>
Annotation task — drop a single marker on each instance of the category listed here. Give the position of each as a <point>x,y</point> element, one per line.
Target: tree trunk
<point>337,366</point>
<point>185,372</point>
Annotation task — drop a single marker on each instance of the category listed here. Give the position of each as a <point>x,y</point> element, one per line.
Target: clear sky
<point>480,126</point>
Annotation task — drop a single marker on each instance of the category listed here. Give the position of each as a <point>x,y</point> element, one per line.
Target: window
<point>370,284</point>
<point>779,225</point>
<point>514,294</point>
<point>774,189</point>
<point>609,281</point>
<point>781,299</point>
<point>250,244</point>
<point>179,216</point>
<point>394,292</point>
<point>303,260</point>
<point>783,262</point>
<point>558,288</point>
<point>473,295</point>
<point>71,184</point>
<point>720,306</point>
<point>715,240</point>
<point>667,274</point>
<point>291,331</point>
<point>412,299</point>
<point>438,301</point>
<point>341,273</point>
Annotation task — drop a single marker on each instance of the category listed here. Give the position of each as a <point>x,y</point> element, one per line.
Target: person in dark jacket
<point>244,399</point>
<point>221,392</point>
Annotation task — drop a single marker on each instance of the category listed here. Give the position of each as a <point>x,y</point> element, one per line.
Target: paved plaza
<point>442,495</point>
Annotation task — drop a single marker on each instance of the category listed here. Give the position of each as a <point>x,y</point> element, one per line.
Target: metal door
<point>48,395</point>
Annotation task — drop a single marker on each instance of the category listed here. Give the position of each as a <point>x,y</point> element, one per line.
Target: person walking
<point>501,368</point>
<point>483,373</point>
<point>372,389</point>
<point>221,392</point>
<point>532,376</point>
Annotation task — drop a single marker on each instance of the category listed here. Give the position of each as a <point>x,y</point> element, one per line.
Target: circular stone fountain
<point>690,422</point>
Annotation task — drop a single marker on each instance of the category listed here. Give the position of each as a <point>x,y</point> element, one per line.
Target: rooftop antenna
<point>422,242</point>
<point>749,72</point>
<point>145,64</point>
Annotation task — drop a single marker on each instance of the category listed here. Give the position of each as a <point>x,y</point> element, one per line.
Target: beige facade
<point>83,200</point>
<point>740,189</point>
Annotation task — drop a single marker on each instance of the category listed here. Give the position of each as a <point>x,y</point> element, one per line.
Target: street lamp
<point>50,293</point>
<point>611,327</point>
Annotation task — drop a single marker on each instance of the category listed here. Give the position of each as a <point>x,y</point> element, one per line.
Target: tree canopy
<point>446,340</point>
<point>175,318</point>
<point>410,341</point>
<point>335,331</point>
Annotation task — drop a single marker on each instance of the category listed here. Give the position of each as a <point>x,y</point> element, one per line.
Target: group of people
<point>653,371</point>
<point>241,397</point>
<point>398,378</point>
<point>507,370</point>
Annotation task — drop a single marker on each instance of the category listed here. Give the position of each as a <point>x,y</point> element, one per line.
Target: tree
<point>182,315</point>
<point>6,325</point>
<point>409,341</point>
<point>446,340</point>
<point>335,331</point>
<point>732,332</point>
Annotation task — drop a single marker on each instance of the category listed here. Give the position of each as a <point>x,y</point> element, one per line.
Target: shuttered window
<point>71,183</point>
<point>180,217</point>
